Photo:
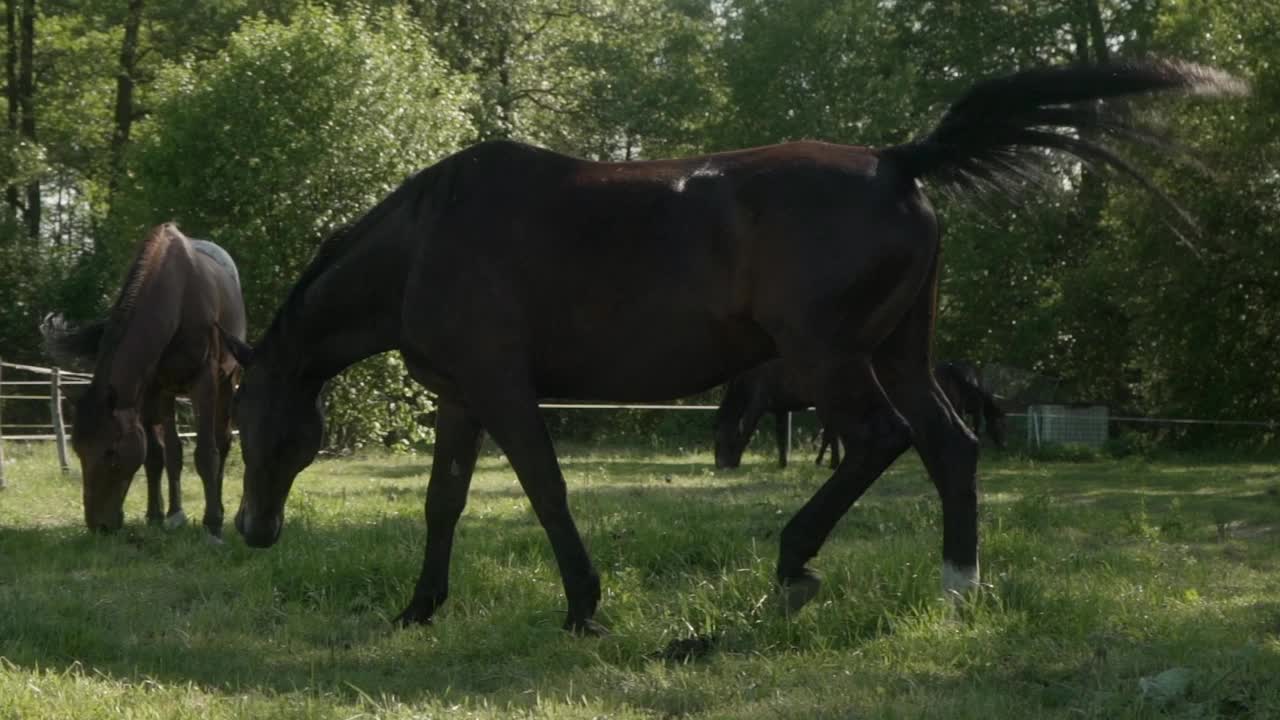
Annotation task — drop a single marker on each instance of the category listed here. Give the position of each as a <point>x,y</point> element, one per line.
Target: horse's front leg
<point>211,400</point>
<point>509,412</point>
<point>153,423</point>
<point>457,444</point>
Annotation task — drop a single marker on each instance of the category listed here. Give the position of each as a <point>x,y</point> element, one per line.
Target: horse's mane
<point>145,261</point>
<point>340,241</point>
<point>74,347</point>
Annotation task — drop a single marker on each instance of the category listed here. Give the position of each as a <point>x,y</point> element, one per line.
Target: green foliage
<point>814,69</point>
<point>375,403</point>
<point>31,279</point>
<point>294,129</point>
<point>262,124</point>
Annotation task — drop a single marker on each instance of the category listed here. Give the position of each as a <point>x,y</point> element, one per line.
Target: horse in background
<point>977,407</point>
<point>767,389</point>
<point>164,337</point>
<point>770,389</point>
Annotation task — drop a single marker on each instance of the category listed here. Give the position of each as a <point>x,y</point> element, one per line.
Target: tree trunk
<point>124,96</point>
<point>11,91</point>
<point>1097,33</point>
<point>506,103</point>
<point>1091,46</point>
<point>26,103</point>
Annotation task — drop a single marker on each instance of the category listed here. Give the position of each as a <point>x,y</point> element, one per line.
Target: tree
<point>125,84</point>
<point>291,131</point>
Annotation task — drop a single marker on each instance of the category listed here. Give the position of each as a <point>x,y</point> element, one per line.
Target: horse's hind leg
<point>175,517</point>
<point>155,470</point>
<point>782,431</point>
<point>855,407</point>
<point>458,439</point>
<point>950,454</point>
<point>211,400</point>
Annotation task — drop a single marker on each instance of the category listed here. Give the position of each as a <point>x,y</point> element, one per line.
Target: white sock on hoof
<point>958,580</point>
<point>175,521</point>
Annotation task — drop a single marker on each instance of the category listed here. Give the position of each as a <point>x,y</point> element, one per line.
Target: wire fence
<point>1045,423</point>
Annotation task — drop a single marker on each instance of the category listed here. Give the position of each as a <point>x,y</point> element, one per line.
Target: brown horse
<point>505,274</point>
<point>975,405</point>
<point>161,339</point>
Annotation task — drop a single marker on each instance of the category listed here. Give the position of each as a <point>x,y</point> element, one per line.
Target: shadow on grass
<point>315,611</point>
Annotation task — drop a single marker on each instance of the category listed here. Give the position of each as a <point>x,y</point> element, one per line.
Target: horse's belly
<point>666,361</point>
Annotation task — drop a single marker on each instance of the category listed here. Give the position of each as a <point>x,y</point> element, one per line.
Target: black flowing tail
<point>71,347</point>
<point>992,139</point>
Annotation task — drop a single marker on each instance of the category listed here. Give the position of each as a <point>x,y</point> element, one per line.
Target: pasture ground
<point>1119,589</point>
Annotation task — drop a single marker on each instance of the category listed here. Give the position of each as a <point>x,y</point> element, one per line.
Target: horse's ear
<point>239,349</point>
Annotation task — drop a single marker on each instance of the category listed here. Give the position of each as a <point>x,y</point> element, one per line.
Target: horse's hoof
<point>214,540</point>
<point>586,627</point>
<point>155,520</point>
<point>798,591</point>
<point>959,583</point>
<point>412,616</point>
<point>175,521</point>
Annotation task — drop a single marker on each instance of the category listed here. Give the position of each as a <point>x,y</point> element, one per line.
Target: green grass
<point>1104,575</point>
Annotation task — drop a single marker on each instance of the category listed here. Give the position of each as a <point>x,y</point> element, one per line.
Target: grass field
<point>1119,589</point>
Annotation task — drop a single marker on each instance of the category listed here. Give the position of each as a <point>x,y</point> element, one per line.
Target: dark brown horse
<point>764,390</point>
<point>975,405</point>
<point>771,389</point>
<point>505,273</point>
<point>164,337</point>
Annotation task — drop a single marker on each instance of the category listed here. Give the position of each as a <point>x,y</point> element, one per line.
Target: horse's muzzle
<point>259,532</point>
<point>105,522</point>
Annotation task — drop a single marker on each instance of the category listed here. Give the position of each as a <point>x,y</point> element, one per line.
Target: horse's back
<point>218,255</point>
<point>580,260</point>
<point>225,296</point>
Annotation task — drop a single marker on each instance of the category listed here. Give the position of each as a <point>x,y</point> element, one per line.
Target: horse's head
<point>281,428</point>
<point>735,421</point>
<point>110,443</point>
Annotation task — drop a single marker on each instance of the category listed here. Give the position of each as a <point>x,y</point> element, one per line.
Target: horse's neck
<point>143,329</point>
<point>351,310</point>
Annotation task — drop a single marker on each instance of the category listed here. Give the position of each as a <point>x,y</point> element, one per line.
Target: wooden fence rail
<point>2,480</point>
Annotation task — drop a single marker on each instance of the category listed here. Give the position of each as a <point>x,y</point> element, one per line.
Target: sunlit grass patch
<point>1116,589</point>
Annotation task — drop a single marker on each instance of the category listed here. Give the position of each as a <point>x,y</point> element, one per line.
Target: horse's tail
<point>68,346</point>
<point>992,138</point>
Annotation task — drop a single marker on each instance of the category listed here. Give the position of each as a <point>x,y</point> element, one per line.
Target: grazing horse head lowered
<point>163,337</point>
<point>771,388</point>
<point>505,274</point>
